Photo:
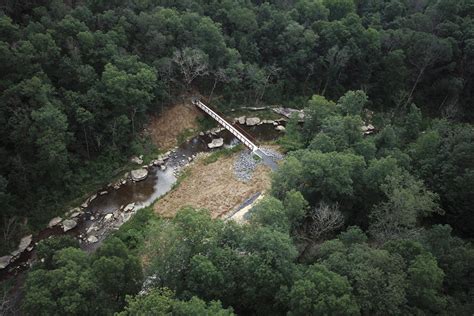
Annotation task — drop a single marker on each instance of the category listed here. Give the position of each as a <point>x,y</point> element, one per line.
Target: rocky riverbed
<point>106,210</point>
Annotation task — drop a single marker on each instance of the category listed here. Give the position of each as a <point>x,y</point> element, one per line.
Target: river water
<point>141,194</point>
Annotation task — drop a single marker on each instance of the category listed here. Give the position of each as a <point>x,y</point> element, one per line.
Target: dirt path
<point>214,187</point>
<point>165,128</point>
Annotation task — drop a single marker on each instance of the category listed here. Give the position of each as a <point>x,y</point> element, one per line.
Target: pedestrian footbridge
<point>240,134</point>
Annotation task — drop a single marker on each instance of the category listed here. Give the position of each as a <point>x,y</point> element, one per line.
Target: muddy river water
<point>138,194</point>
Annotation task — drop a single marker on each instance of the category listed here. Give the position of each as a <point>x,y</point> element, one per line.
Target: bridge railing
<point>240,136</point>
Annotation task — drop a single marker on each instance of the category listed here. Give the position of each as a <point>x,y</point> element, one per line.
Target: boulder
<point>216,143</point>
<point>68,224</point>
<point>129,207</point>
<point>136,160</point>
<point>280,128</point>
<point>76,214</point>
<point>72,211</point>
<point>92,197</point>
<point>158,162</point>
<point>139,174</point>
<point>163,167</point>
<point>92,239</point>
<point>288,112</point>
<point>251,121</point>
<point>24,243</point>
<point>85,204</point>
<point>241,120</point>
<point>108,217</point>
<point>91,229</point>
<point>55,221</point>
<point>103,192</point>
<point>5,261</point>
<point>368,129</point>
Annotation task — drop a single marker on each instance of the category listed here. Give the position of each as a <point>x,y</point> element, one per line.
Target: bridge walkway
<point>240,135</point>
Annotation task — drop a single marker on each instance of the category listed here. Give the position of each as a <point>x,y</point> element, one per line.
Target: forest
<point>355,224</point>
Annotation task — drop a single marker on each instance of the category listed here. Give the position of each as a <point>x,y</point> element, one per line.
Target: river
<point>139,194</point>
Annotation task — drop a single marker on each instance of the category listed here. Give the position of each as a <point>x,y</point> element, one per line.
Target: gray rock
<point>68,224</point>
<point>288,112</point>
<point>139,174</point>
<point>163,167</point>
<point>55,221</point>
<point>136,160</point>
<point>91,229</point>
<point>216,143</point>
<point>129,207</point>
<point>251,121</point>
<point>5,261</point>
<point>280,128</point>
<point>368,129</point>
<point>158,162</point>
<point>92,239</point>
<point>92,197</point>
<point>108,217</point>
<point>76,214</point>
<point>103,192</point>
<point>241,120</point>
<point>72,211</point>
<point>24,243</point>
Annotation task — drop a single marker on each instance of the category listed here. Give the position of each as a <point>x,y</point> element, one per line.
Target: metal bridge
<point>238,134</point>
<point>241,135</point>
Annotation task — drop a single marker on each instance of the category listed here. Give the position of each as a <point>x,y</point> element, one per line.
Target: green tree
<point>353,102</point>
<point>295,208</point>
<point>69,288</point>
<point>270,212</point>
<point>47,248</point>
<point>292,140</point>
<point>408,200</point>
<point>322,142</point>
<point>321,292</point>
<point>163,302</point>
<point>116,271</point>
<point>425,280</point>
<point>376,277</point>
<point>129,86</point>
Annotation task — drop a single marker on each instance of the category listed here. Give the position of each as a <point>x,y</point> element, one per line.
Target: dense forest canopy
<point>354,225</point>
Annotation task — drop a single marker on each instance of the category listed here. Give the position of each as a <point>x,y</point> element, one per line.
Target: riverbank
<point>213,186</point>
<point>102,211</point>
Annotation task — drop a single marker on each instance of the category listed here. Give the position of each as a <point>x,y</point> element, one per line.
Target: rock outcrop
<point>55,221</point>
<point>251,121</point>
<point>5,261</point>
<point>92,239</point>
<point>288,112</point>
<point>24,243</point>
<point>216,143</point>
<point>68,224</point>
<point>139,174</point>
<point>136,160</point>
<point>280,128</point>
